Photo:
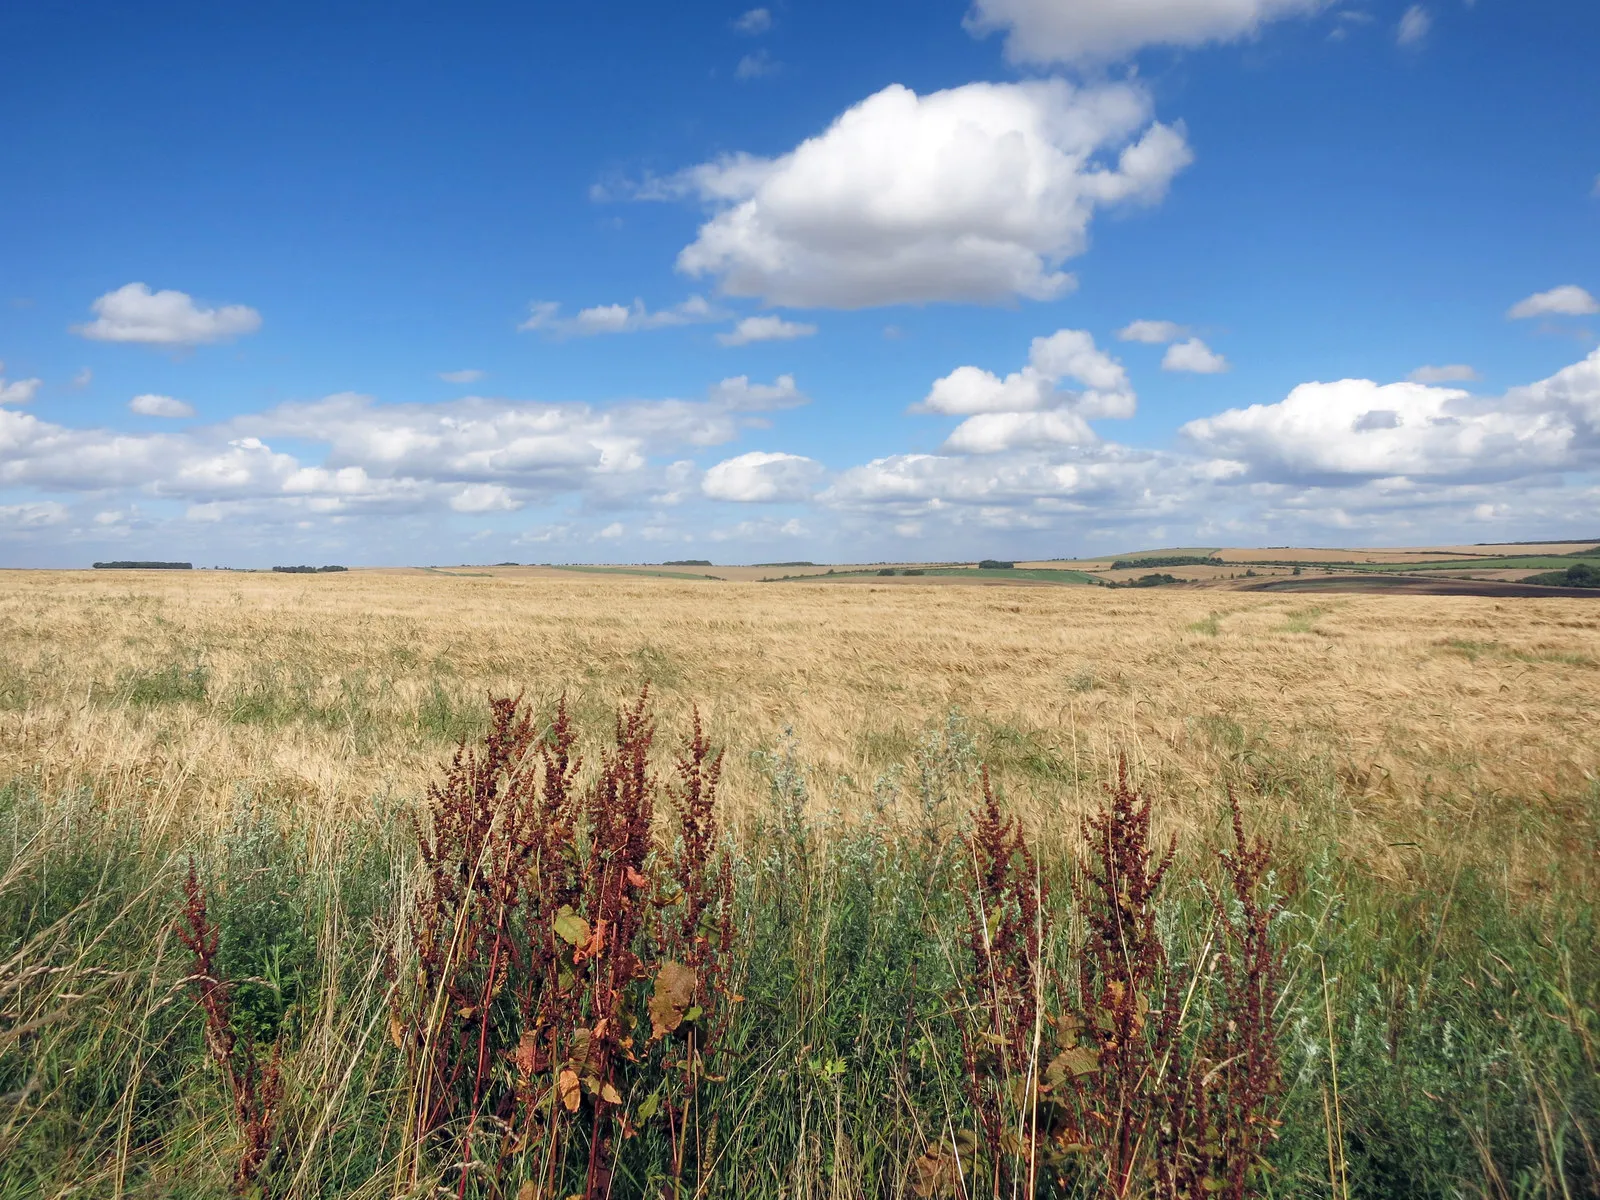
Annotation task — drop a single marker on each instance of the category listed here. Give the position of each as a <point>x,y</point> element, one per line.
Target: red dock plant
<point>557,946</point>
<point>255,1090</point>
<point>1134,1077</point>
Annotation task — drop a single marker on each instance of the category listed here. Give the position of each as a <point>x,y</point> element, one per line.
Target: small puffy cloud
<point>754,66</point>
<point>1151,333</point>
<point>612,531</point>
<point>617,318</point>
<point>1194,356</point>
<point>1449,373</point>
<point>470,375</point>
<point>83,378</point>
<point>756,21</point>
<point>765,329</point>
<point>1414,26</point>
<point>977,193</point>
<point>1029,407</point>
<point>760,477</point>
<point>1098,31</point>
<point>151,405</point>
<point>133,313</point>
<point>20,391</point>
<point>484,497</point>
<point>1568,300</point>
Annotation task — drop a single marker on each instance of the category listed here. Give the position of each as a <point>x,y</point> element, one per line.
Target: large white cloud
<point>762,477</point>
<point>1355,429</point>
<point>1029,407</point>
<point>133,313</point>
<point>1091,31</point>
<point>978,193</point>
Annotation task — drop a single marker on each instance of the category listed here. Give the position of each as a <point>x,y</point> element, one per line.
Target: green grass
<point>174,683</point>
<point>1303,620</point>
<point>1451,1024</point>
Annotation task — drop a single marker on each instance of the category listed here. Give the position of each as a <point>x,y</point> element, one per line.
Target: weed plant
<point>561,973</point>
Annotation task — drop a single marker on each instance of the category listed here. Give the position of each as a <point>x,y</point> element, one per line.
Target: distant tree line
<point>1578,575</point>
<point>1168,560</point>
<point>995,564</point>
<point>307,570</point>
<point>687,562</point>
<point>128,565</point>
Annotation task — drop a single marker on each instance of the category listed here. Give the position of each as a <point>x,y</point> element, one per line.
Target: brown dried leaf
<point>397,1032</point>
<point>936,1173</point>
<point>526,1055</point>
<point>1069,1064</point>
<point>570,1091</point>
<point>674,992</point>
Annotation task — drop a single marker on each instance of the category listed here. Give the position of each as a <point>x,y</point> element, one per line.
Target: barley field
<point>227,965</point>
<point>1435,720</point>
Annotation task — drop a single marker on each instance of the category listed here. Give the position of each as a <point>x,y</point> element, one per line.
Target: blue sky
<point>412,283</point>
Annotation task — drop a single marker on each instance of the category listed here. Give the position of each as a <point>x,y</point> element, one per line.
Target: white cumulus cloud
<point>977,193</point>
<point>1151,333</point>
<point>133,313</point>
<point>1091,31</point>
<point>1195,356</point>
<point>1568,300</point>
<point>1029,407</point>
<point>760,477</point>
<point>151,405</point>
<point>765,329</point>
<point>1355,428</point>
